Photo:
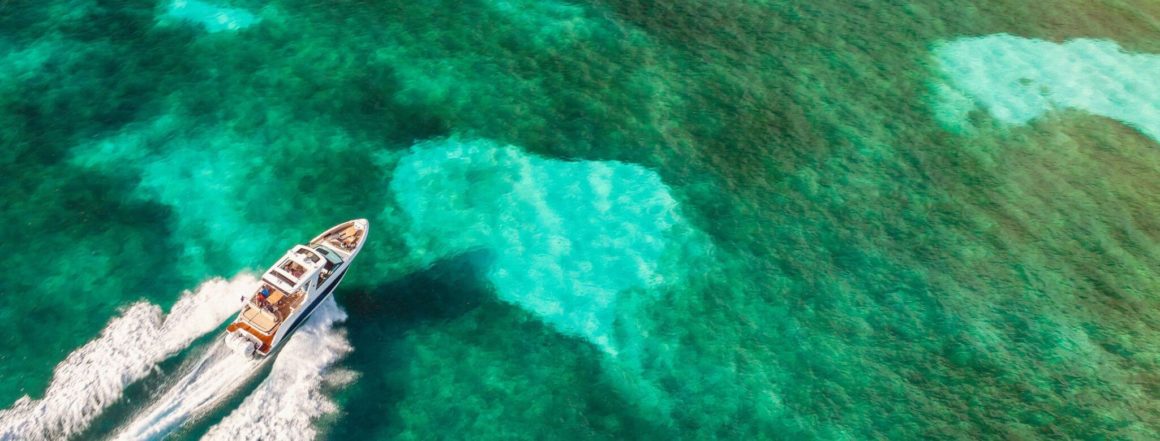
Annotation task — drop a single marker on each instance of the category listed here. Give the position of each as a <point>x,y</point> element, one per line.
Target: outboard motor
<point>241,343</point>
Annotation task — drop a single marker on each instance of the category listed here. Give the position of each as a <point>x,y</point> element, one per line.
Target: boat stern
<point>242,343</point>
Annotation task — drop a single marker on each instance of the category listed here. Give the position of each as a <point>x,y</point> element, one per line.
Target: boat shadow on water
<point>455,299</point>
<point>443,291</point>
<point>380,317</point>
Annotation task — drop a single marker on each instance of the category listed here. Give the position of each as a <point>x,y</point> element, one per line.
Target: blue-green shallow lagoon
<point>590,220</point>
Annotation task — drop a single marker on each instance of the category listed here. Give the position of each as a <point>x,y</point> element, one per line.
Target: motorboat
<point>294,287</point>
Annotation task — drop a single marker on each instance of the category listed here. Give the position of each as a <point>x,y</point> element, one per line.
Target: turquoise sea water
<point>590,220</point>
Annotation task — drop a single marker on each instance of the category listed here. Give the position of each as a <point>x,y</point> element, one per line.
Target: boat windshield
<point>333,258</point>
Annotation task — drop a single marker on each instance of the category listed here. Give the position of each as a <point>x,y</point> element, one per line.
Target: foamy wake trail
<point>286,404</point>
<point>94,376</point>
<point>206,382</point>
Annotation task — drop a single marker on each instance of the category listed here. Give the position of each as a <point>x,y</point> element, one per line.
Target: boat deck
<point>262,316</point>
<point>346,239</point>
<point>267,340</point>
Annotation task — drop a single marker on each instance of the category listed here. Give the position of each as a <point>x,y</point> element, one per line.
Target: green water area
<point>589,219</point>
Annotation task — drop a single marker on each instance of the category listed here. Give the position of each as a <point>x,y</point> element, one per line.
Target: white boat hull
<point>293,289</point>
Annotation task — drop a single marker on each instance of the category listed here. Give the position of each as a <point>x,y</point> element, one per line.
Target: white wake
<point>289,401</point>
<point>202,384</point>
<point>94,376</point>
<point>283,406</point>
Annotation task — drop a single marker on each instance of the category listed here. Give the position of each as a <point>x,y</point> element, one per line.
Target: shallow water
<point>600,219</point>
